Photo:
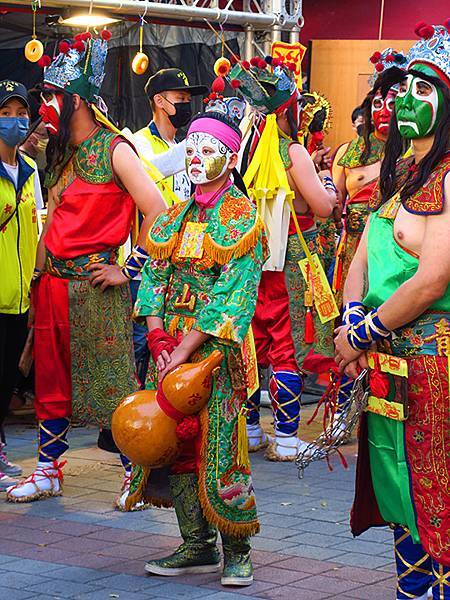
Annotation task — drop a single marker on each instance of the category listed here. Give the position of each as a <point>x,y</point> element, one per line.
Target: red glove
<point>158,340</point>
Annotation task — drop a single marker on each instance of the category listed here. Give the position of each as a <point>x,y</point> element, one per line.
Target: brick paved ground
<point>77,546</point>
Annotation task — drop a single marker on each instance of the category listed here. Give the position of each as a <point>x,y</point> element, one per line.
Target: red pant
<point>272,324</point>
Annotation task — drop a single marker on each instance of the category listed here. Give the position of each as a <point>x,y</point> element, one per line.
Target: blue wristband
<point>361,335</point>
<point>353,312</point>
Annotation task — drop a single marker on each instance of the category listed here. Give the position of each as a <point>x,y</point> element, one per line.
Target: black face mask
<point>183,114</point>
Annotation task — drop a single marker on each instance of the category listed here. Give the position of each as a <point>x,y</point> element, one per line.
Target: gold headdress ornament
<point>313,102</point>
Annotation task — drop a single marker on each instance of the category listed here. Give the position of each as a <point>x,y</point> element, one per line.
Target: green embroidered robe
<point>215,294</point>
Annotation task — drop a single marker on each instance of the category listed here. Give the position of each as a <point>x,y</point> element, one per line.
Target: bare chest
<point>357,178</point>
<point>409,231</point>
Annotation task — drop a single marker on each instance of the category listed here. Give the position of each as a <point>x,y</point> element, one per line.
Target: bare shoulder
<point>340,152</point>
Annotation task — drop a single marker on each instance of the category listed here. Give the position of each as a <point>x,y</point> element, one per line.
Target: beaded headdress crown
<point>254,79</point>
<point>79,67</point>
<point>385,60</point>
<point>432,50</point>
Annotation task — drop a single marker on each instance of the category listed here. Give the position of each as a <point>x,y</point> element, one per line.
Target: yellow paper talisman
<point>291,53</point>
<point>248,350</point>
<point>192,241</point>
<point>324,301</point>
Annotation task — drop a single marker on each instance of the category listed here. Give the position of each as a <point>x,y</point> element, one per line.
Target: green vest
<point>18,238</point>
<point>389,265</point>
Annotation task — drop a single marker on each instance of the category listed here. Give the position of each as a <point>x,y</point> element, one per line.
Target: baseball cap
<point>170,80</point>
<point>12,89</point>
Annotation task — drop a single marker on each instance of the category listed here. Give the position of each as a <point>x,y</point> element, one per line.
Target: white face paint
<point>207,158</point>
<point>417,107</point>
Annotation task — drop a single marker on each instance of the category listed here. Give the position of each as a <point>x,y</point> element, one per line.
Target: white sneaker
<point>285,448</point>
<point>6,466</point>
<point>6,481</point>
<point>44,482</point>
<point>257,439</point>
<point>120,502</point>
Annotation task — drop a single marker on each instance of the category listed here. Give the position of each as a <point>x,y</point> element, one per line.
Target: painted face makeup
<point>50,111</point>
<point>382,110</point>
<point>207,158</point>
<point>418,107</point>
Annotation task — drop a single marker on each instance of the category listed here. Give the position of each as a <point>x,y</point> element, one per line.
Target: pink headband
<point>223,132</point>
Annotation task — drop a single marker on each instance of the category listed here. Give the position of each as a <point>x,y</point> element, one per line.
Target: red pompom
<point>447,25</point>
<point>276,62</point>
<point>375,57</point>
<point>213,96</point>
<point>419,26</point>
<point>105,35</point>
<point>235,84</point>
<point>78,46</point>
<point>262,63</point>
<point>379,67</point>
<point>291,66</point>
<point>379,384</point>
<point>45,61</point>
<point>254,61</point>
<point>64,47</point>
<point>188,428</point>
<point>245,65</point>
<point>390,58</point>
<point>426,32</point>
<point>78,37</point>
<point>87,35</point>
<point>218,85</point>
<point>205,100</point>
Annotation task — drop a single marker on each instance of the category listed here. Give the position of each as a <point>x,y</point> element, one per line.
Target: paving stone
<point>78,574</point>
<point>19,581</point>
<point>25,565</point>
<point>358,574</point>
<point>276,575</point>
<point>287,592</point>
<point>315,539</point>
<point>8,593</point>
<point>374,592</point>
<point>65,589</point>
<point>313,552</point>
<point>306,565</point>
<point>332,585</point>
<point>227,596</point>
<point>178,590</point>
<point>106,595</point>
<point>362,547</point>
<point>362,560</point>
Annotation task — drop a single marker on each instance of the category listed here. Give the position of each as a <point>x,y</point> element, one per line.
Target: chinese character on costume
<point>198,293</point>
<point>286,324</point>
<point>82,329</point>
<point>403,318</point>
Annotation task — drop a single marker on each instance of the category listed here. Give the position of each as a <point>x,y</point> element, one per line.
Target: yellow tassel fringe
<point>161,250</point>
<point>223,254</point>
<point>243,459</point>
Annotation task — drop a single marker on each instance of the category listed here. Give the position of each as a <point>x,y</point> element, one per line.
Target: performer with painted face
<point>82,330</point>
<point>397,294</point>
<point>198,293</point>
<point>280,174</point>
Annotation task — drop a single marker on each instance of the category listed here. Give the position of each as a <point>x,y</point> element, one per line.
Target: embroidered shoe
<point>6,481</point>
<point>237,564</point>
<point>44,482</point>
<point>257,439</point>
<point>6,466</point>
<point>186,560</point>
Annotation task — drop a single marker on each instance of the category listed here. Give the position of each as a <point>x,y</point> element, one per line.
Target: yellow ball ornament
<point>34,50</point>
<point>140,63</point>
<point>222,67</point>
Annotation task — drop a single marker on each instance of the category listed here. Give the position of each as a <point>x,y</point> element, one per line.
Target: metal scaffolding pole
<point>185,10</point>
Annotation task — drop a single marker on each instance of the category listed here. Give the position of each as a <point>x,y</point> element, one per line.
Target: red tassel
<point>309,327</point>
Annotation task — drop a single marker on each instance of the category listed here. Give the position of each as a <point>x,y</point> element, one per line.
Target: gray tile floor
<point>78,546</point>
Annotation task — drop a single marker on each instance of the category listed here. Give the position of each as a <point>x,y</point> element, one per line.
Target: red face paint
<point>382,112</point>
<point>50,111</point>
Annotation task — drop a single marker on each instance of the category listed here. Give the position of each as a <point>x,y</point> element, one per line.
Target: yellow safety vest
<point>158,146</point>
<point>18,237</point>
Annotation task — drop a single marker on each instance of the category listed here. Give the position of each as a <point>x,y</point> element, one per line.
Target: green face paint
<point>418,107</point>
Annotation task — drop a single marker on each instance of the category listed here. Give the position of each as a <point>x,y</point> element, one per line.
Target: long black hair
<point>58,144</point>
<point>395,147</point>
<point>367,127</point>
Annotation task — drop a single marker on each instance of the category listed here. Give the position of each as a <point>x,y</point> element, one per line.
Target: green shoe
<point>198,553</point>
<point>186,560</point>
<point>237,568</point>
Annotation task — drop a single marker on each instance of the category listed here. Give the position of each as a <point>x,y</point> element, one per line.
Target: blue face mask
<point>13,130</point>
